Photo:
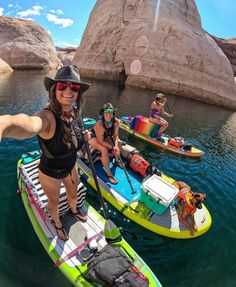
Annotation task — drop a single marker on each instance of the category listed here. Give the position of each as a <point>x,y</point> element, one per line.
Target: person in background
<point>104,137</point>
<point>59,139</point>
<point>156,110</point>
<point>121,78</point>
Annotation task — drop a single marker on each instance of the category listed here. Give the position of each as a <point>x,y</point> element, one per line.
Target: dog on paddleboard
<point>188,203</point>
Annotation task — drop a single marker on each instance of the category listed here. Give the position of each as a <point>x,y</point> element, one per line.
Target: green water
<point>205,261</point>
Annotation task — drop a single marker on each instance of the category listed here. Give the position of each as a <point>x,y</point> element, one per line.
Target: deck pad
<point>35,202</point>
<point>119,195</point>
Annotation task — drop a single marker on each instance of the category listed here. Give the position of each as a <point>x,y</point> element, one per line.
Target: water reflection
<point>22,91</point>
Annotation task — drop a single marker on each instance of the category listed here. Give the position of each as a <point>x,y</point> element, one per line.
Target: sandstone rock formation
<point>4,67</point>
<point>229,48</point>
<point>162,46</point>
<point>26,45</point>
<point>66,55</point>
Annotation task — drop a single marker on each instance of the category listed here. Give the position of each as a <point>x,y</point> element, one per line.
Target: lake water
<point>209,260</point>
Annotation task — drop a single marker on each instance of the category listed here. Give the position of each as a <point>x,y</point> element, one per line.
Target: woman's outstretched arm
<point>22,126</point>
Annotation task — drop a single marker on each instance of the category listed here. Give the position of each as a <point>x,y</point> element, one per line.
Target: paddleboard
<point>125,126</point>
<point>134,207</point>
<point>68,256</point>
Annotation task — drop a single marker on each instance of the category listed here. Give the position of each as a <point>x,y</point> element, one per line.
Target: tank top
<point>109,132</point>
<point>55,153</point>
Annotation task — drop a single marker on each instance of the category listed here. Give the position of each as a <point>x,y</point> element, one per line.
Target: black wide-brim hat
<point>66,74</point>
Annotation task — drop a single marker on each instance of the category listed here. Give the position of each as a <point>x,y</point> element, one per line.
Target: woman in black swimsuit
<point>104,137</point>
<point>59,138</point>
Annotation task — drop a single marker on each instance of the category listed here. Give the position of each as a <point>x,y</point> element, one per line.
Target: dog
<point>188,203</point>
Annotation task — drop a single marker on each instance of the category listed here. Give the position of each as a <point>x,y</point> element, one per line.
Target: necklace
<point>68,115</point>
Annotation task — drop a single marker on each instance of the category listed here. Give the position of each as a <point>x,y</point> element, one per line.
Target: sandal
<point>112,179</point>
<point>119,164</point>
<point>61,229</point>
<point>78,216</point>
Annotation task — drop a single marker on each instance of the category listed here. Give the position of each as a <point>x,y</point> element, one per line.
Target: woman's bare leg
<point>71,183</point>
<point>104,158</point>
<point>51,187</point>
<point>104,154</point>
<point>163,124</point>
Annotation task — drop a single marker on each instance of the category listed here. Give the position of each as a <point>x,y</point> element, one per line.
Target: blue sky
<point>218,17</point>
<point>66,20</point>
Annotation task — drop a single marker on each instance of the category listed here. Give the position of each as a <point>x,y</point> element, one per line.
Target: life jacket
<point>139,164</point>
<point>185,194</point>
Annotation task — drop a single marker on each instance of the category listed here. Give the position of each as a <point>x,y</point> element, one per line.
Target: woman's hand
<point>116,150</point>
<point>87,135</point>
<point>168,115</point>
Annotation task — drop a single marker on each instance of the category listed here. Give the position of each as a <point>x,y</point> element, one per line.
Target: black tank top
<point>109,132</point>
<point>55,153</point>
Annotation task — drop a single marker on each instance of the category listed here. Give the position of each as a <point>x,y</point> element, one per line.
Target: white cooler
<point>158,194</point>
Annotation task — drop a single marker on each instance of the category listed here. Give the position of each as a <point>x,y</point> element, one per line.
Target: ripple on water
<point>205,261</point>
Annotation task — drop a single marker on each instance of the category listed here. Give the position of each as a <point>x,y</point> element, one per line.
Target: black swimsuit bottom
<point>46,166</point>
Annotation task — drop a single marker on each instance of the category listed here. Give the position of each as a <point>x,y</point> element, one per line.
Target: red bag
<point>139,164</point>
<point>174,142</point>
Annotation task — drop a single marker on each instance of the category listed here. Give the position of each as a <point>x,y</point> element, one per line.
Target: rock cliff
<point>26,45</point>
<point>66,55</point>
<point>229,48</point>
<point>4,67</point>
<point>162,46</point>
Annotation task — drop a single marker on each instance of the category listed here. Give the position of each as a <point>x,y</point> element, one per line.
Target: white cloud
<point>35,11</point>
<point>49,32</point>
<point>28,18</point>
<point>1,11</point>
<point>59,11</point>
<point>14,8</point>
<point>65,45</point>
<point>63,22</point>
<point>37,7</point>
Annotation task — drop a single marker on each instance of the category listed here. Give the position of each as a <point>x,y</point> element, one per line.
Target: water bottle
<point>93,243</point>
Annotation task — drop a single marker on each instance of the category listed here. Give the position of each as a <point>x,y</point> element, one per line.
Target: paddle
<point>111,232</point>
<point>124,168</point>
<point>173,119</point>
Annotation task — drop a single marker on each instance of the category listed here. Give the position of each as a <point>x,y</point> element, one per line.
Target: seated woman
<point>104,137</point>
<point>156,110</point>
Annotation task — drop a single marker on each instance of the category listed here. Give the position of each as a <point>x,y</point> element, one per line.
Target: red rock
<point>166,37</point>
<point>26,45</point>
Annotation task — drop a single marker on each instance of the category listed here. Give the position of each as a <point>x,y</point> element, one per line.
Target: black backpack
<point>110,267</point>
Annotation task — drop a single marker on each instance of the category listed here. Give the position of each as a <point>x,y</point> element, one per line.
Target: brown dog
<point>188,202</point>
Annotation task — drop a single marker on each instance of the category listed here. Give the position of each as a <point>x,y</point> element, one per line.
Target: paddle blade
<point>112,232</point>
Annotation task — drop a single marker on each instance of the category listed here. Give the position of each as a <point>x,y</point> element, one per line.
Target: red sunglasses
<point>60,86</point>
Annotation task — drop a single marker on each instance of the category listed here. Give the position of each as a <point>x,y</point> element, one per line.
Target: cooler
<point>154,130</point>
<point>143,125</point>
<point>138,122</point>
<point>132,123</point>
<point>158,194</point>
